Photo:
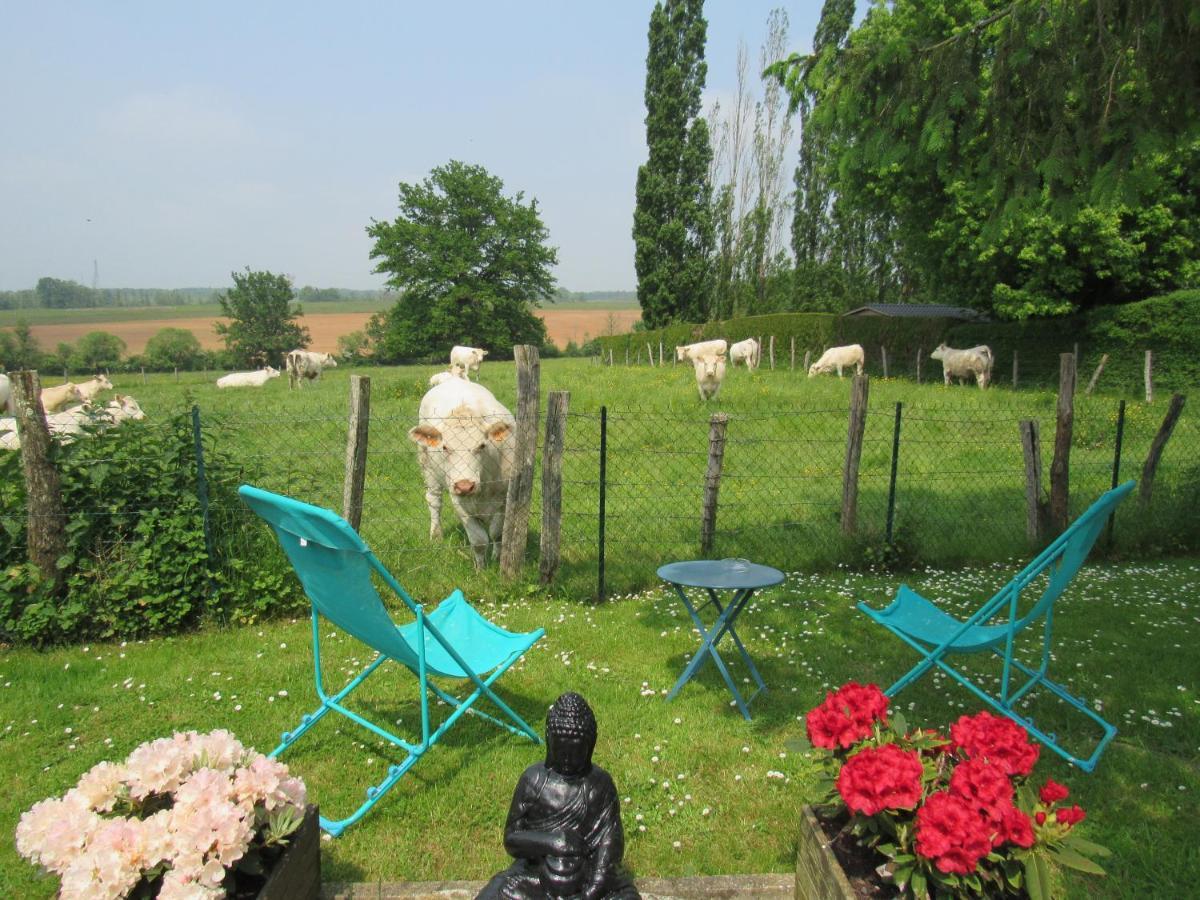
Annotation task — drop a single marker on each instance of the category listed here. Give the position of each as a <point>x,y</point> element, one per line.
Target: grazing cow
<point>468,358</point>
<point>455,371</point>
<point>746,352</point>
<point>710,372</point>
<point>304,365</point>
<point>60,395</point>
<point>247,379</point>
<point>717,347</point>
<point>89,389</point>
<point>975,362</point>
<point>466,446</point>
<point>838,358</point>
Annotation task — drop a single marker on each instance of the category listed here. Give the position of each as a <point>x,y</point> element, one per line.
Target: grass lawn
<point>690,771</point>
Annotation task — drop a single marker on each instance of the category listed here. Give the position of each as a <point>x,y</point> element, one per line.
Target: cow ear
<point>499,432</point>
<point>426,435</point>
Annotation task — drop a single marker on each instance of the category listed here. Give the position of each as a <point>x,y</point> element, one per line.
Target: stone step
<point>715,887</point>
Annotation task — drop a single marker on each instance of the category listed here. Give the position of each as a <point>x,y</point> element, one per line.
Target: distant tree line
<point>58,293</point>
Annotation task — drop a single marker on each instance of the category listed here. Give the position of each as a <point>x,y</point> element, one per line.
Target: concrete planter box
<point>818,874</point>
<point>297,874</point>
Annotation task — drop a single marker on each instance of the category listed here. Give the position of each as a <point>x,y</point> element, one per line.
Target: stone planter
<point>297,874</point>
<point>818,874</point>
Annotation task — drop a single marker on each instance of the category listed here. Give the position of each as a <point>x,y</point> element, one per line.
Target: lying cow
<point>60,395</point>
<point>975,362</point>
<point>465,442</point>
<point>455,371</point>
<point>247,379</point>
<point>468,359</point>
<point>716,347</point>
<point>838,358</point>
<point>68,424</point>
<point>710,372</point>
<point>305,365</point>
<point>746,352</point>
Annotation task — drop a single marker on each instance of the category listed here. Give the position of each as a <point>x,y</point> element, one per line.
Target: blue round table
<point>738,575</point>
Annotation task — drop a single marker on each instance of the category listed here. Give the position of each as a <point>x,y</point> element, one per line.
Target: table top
<point>721,574</point>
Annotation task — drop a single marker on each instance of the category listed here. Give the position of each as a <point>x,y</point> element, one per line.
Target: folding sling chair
<point>453,641</point>
<point>936,635</point>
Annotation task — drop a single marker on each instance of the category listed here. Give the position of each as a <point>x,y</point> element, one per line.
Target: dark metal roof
<point>917,310</point>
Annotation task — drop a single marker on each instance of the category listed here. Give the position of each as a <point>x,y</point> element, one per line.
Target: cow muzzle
<point>464,487</point>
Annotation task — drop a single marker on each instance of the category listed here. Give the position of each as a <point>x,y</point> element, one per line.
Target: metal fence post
<point>1060,466</point>
<point>201,481</point>
<point>891,507</point>
<point>1116,476</point>
<point>603,490</point>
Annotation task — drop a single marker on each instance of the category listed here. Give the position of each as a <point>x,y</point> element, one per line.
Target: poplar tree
<point>672,222</point>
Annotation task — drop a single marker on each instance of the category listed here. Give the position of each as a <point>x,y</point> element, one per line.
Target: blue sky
<point>174,143</point>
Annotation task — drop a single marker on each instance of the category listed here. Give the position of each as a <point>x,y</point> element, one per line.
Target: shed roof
<point>917,310</point>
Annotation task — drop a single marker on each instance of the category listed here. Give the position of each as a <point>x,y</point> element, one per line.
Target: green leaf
<point>1037,877</point>
<point>920,887</point>
<point>1068,857</point>
<point>1085,846</point>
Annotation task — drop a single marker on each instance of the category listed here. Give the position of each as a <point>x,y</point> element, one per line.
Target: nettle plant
<point>949,817</point>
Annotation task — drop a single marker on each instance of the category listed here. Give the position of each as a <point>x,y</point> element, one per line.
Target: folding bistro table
<point>741,577</point>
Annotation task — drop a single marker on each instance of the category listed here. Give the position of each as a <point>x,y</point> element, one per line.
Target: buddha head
<point>570,735</point>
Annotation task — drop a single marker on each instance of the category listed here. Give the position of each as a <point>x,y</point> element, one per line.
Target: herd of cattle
<point>67,422</point>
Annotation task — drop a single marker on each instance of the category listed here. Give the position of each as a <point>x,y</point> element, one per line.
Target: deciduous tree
<point>98,350</point>
<point>262,326</point>
<point>173,348</point>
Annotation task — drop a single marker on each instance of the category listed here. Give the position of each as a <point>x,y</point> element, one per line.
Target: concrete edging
<point>716,887</point>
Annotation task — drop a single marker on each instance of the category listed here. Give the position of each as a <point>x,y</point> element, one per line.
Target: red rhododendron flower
<point>1072,816</point>
<point>952,833</point>
<point>1001,741</point>
<point>983,782</point>
<point>880,778</point>
<point>1017,829</point>
<point>846,716</point>
<point>1052,792</point>
<point>1040,818</point>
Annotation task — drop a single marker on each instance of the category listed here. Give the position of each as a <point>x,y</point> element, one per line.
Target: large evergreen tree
<point>1029,157</point>
<point>262,327</point>
<point>470,264</point>
<point>672,223</point>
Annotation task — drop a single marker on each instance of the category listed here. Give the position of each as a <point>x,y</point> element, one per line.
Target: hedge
<point>1169,325</point>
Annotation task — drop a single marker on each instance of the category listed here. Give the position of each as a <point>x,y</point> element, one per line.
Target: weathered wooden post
<point>854,442</point>
<point>712,480</point>
<point>1060,466</point>
<point>1150,469</point>
<point>1149,376</point>
<point>1116,467</point>
<point>1031,448</point>
<point>610,357</point>
<point>772,353</point>
<point>793,368</point>
<point>143,374</point>
<point>1096,375</point>
<point>552,456</point>
<point>918,365</point>
<point>627,356</point>
<point>520,488</point>
<point>45,533</point>
<point>883,353</point>
<point>807,357</point>
<point>660,356</point>
<point>355,476</point>
<point>650,353</point>
<point>1014,370</point>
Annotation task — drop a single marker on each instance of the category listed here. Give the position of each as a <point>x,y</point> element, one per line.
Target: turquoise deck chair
<point>452,641</point>
<point>936,635</point>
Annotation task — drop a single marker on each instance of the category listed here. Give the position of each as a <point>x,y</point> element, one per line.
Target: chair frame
<point>1009,595</point>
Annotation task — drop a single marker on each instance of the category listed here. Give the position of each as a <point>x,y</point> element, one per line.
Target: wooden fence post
<point>1035,509</point>
<point>883,353</point>
<point>918,365</point>
<point>552,455</point>
<point>143,374</point>
<point>1060,466</point>
<point>660,356</point>
<point>45,533</point>
<point>772,353</point>
<point>650,353</point>
<point>520,488</point>
<point>610,357</point>
<point>1096,375</point>
<point>1146,486</point>
<point>807,356</point>
<point>356,449</point>
<point>854,441</point>
<point>712,480</point>
<point>793,353</point>
<point>1149,376</point>
<point>1014,370</point>
<point>627,356</point>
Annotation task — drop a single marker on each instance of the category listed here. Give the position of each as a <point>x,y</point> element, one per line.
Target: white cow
<point>7,402</point>
<point>247,379</point>
<point>455,371</point>
<point>716,347</point>
<point>466,446</point>
<point>305,365</point>
<point>710,372</point>
<point>60,395</point>
<point>468,358</point>
<point>976,361</point>
<point>68,424</point>
<point>89,389</point>
<point>838,358</point>
<point>746,352</point>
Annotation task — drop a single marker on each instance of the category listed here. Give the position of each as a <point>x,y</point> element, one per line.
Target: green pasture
<point>691,770</point>
<point>959,485</point>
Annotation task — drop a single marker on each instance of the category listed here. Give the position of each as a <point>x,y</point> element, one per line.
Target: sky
<point>168,144</point>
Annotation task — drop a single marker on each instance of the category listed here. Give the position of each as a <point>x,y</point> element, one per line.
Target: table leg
<point>724,623</point>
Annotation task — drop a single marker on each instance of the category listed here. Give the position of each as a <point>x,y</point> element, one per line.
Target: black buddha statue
<point>564,824</point>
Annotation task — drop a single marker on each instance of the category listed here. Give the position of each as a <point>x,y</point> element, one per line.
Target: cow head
<point>329,361</point>
<point>459,449</point>
<point>940,352</point>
